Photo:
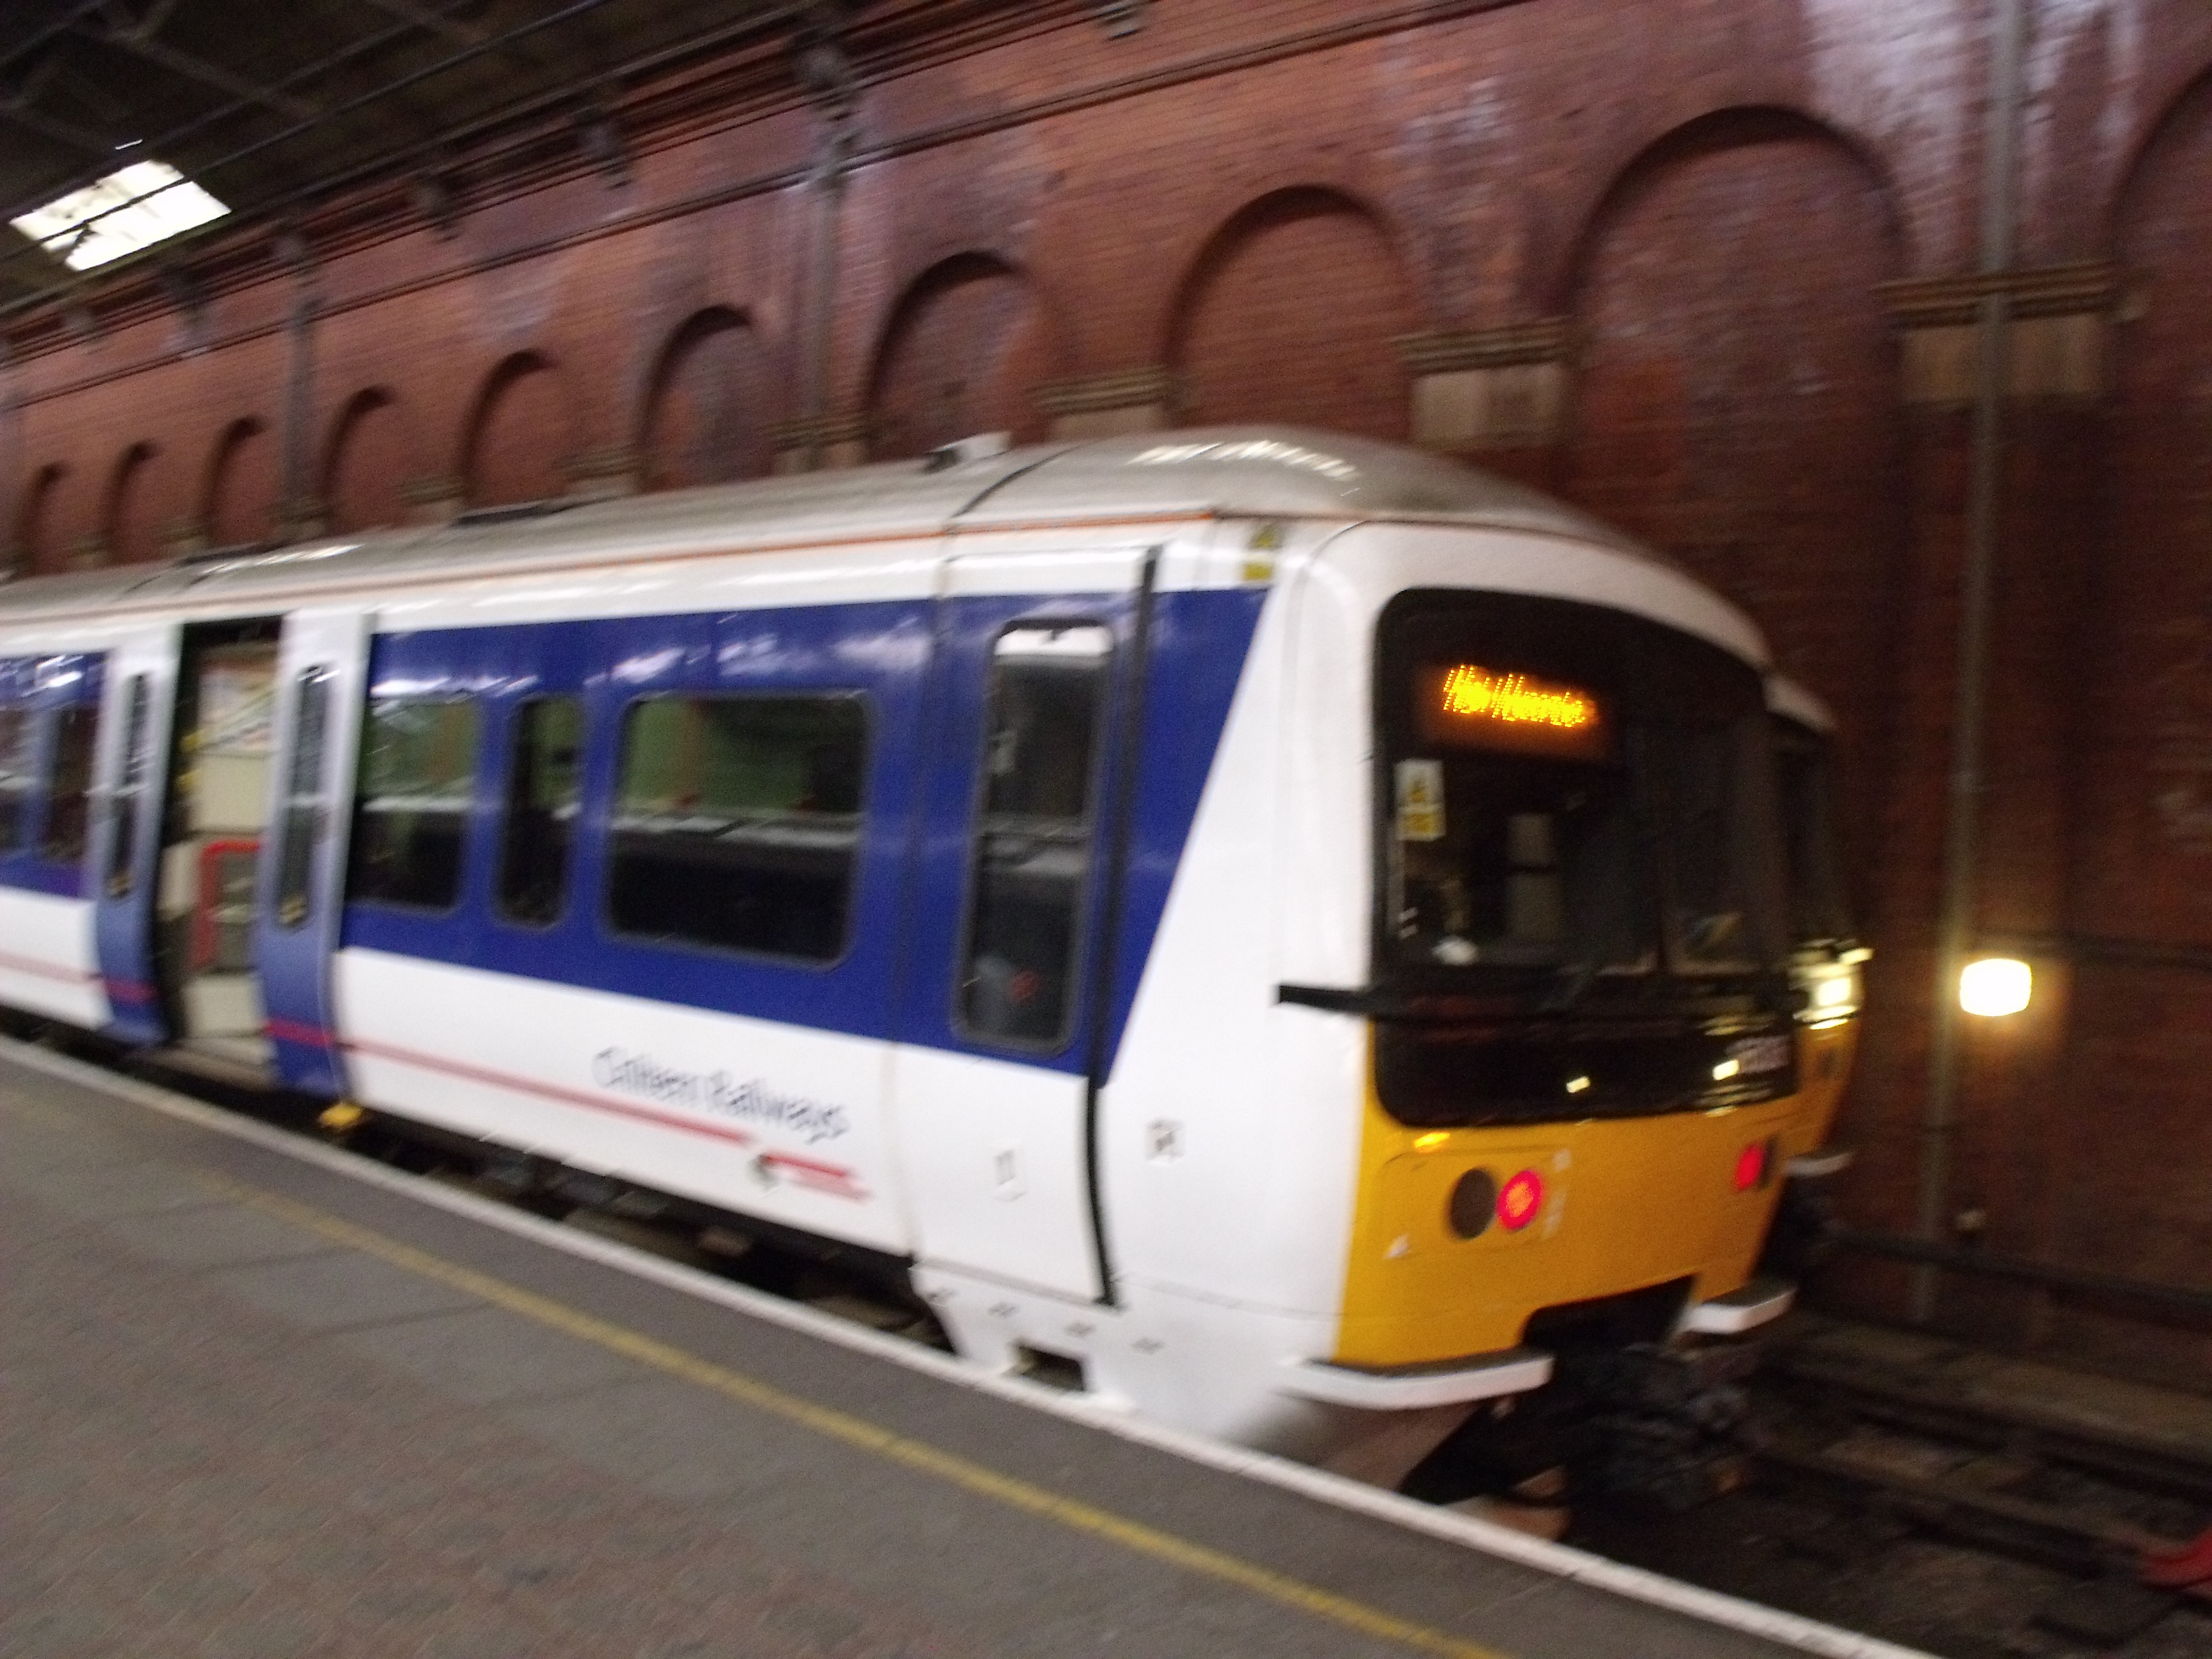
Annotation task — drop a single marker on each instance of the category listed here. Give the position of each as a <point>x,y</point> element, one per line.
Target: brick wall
<point>1707,267</point>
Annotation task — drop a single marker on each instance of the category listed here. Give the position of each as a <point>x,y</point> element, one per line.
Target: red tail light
<point>1754,1164</point>
<point>1520,1201</point>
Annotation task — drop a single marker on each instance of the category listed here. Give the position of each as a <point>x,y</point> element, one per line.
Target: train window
<point>123,806</point>
<point>302,826</point>
<point>418,771</point>
<point>17,778</point>
<point>69,783</point>
<point>737,821</point>
<point>1034,823</point>
<point>544,792</point>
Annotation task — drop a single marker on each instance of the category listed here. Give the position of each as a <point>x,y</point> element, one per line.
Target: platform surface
<point>251,1407</point>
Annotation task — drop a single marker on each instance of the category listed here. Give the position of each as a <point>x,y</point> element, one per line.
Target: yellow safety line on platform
<point>859,1432</point>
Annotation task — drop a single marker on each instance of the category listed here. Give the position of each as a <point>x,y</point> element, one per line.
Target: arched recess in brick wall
<point>707,405</point>
<point>1289,314</point>
<point>2139,1056</point>
<point>1737,401</point>
<point>366,464</point>
<point>2146,817</point>
<point>37,521</point>
<point>127,527</point>
<point>238,504</point>
<point>517,438</point>
<point>964,347</point>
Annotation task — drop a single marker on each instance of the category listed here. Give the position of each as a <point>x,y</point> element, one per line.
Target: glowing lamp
<point>1520,1199</point>
<point>1994,986</point>
<point>1751,1166</point>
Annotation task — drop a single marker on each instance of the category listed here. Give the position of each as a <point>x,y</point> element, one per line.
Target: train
<point>1827,965</point>
<point>1286,933</point>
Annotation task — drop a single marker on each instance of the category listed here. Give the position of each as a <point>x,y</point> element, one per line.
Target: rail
<point>2022,1269</point>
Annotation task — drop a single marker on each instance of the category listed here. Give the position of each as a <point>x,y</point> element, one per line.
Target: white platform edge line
<point>1560,1561</point>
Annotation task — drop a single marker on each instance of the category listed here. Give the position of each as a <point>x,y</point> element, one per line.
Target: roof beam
<point>135,36</point>
<point>466,34</point>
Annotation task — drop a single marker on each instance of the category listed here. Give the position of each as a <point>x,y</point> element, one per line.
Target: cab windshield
<point>1571,796</point>
<point>1819,915</point>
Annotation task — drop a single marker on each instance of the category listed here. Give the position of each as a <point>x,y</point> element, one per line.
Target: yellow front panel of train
<point>1574,1211</point>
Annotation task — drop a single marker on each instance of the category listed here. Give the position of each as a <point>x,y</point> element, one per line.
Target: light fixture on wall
<point>1995,986</point>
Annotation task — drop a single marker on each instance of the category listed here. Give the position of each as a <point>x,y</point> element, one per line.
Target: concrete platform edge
<point>1558,1561</point>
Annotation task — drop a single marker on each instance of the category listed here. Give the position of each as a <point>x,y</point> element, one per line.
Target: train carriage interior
<point>214,824</point>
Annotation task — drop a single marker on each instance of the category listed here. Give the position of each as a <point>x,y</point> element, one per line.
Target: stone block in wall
<point>600,473</point>
<point>187,535</point>
<point>823,443</point>
<point>301,518</point>
<point>2057,336</point>
<point>1490,388</point>
<point>1109,405</point>
<point>438,498</point>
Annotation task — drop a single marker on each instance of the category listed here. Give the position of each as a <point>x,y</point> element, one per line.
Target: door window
<point>1035,825</point>
<point>69,783</point>
<point>123,810</point>
<point>18,779</point>
<point>303,824</point>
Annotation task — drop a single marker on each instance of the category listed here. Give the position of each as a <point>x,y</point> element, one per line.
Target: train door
<point>216,818</point>
<point>128,771</point>
<point>997,1067</point>
<point>321,663</point>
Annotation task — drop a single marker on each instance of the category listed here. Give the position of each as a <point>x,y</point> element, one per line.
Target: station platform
<point>263,1398</point>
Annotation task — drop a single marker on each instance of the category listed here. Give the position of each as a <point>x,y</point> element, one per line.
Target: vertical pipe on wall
<point>1956,926</point>
<point>14,470</point>
<point>300,514</point>
<point>825,71</point>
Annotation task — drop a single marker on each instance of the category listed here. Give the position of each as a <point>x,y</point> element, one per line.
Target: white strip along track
<point>1487,1538</point>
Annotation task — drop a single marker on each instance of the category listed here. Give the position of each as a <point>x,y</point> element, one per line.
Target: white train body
<point>724,844</point>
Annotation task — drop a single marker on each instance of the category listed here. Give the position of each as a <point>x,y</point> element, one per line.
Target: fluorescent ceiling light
<point>147,201</point>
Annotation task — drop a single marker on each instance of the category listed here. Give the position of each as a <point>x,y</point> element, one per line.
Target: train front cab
<point>1827,965</point>
<point>1580,1051</point>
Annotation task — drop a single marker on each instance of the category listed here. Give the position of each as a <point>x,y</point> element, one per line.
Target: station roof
<point>274,107</point>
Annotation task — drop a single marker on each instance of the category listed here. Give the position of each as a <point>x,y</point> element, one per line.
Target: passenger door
<point>321,662</point>
<point>1014,882</point>
<point>130,770</point>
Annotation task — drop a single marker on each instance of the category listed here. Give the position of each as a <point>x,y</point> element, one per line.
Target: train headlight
<point>1520,1201</point>
<point>1832,991</point>
<point>1473,1201</point>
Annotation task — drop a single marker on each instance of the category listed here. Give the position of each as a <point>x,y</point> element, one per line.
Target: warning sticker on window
<point>1420,800</point>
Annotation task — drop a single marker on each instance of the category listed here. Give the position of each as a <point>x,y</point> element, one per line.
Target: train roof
<point>1222,471</point>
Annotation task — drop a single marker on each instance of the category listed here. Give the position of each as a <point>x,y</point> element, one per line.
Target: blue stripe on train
<point>921,670</point>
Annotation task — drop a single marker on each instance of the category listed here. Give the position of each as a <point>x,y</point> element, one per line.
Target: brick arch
<point>2145,806</point>
<point>1289,311</point>
<point>704,418</point>
<point>517,441</point>
<point>366,463</point>
<point>35,519</point>
<point>963,347</point>
<point>238,495</point>
<point>1735,399</point>
<point>129,534</point>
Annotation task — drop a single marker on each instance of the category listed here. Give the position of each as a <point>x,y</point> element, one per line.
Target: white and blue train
<point>1285,928</point>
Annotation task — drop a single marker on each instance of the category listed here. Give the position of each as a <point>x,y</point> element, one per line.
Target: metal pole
<point>14,470</point>
<point>1962,832</point>
<point>300,403</point>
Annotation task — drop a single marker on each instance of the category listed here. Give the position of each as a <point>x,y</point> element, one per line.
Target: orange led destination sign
<point>1468,706</point>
